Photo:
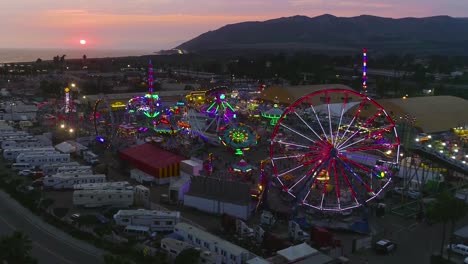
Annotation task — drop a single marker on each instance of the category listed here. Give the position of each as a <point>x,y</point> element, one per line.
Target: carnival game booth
<point>163,165</point>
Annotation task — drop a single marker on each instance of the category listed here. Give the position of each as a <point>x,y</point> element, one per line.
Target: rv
<point>50,169</point>
<point>155,220</point>
<point>37,160</point>
<point>123,185</point>
<point>141,176</point>
<point>90,157</point>
<point>137,231</point>
<point>22,143</point>
<point>98,198</point>
<point>75,169</point>
<point>12,153</point>
<point>21,166</point>
<point>67,181</point>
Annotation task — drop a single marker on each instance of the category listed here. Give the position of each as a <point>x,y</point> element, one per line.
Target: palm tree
<point>16,249</point>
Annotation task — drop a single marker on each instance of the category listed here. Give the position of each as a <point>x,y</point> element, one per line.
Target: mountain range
<point>429,35</point>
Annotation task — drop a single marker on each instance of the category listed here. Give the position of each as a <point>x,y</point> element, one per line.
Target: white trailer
<point>155,220</point>
<point>90,157</point>
<point>67,181</point>
<point>122,185</point>
<point>40,160</point>
<point>12,153</point>
<point>141,176</point>
<point>192,166</point>
<point>50,169</point>
<point>22,143</point>
<point>98,198</point>
<point>75,169</point>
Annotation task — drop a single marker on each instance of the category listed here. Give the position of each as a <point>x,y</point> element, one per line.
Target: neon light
<point>364,69</point>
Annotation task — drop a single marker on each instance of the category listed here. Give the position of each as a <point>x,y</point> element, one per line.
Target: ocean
<point>30,55</point>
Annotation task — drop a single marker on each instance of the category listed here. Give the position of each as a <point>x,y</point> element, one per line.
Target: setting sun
<point>82,42</point>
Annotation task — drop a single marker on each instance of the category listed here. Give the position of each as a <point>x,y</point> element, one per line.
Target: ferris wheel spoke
<point>305,123</point>
<point>291,170</point>
<point>354,163</point>
<point>329,121</point>
<point>337,185</point>
<point>292,156</point>
<point>290,144</point>
<point>343,107</point>
<point>369,136</point>
<point>318,120</point>
<point>373,147</point>
<point>310,172</point>
<point>361,105</point>
<point>300,134</point>
<point>347,167</point>
<point>349,184</point>
<point>314,173</point>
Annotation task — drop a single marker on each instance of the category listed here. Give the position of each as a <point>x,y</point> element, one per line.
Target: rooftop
<point>297,252</point>
<point>144,212</point>
<point>205,236</point>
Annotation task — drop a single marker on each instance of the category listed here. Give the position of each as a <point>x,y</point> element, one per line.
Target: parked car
<point>458,248</point>
<point>385,246</point>
<point>25,172</point>
<point>466,260</point>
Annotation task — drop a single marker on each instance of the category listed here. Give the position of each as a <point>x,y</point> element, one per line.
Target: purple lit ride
<point>334,150</point>
<point>214,117</point>
<point>143,110</point>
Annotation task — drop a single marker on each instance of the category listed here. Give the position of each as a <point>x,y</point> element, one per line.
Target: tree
<point>189,255</point>
<point>446,209</point>
<point>39,60</point>
<point>16,249</point>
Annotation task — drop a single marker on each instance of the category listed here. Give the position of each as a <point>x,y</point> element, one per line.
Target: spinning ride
<point>334,149</point>
<point>238,138</point>
<point>215,116</point>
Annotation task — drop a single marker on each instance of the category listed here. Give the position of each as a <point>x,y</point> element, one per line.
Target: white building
<point>67,181</point>
<point>227,252</point>
<point>218,196</point>
<point>98,198</point>
<point>122,185</point>
<point>50,169</point>
<point>192,167</point>
<point>178,189</point>
<point>12,153</point>
<point>38,160</point>
<point>155,220</point>
<point>174,247</point>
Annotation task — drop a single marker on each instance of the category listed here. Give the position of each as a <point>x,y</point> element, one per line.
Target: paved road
<point>50,245</point>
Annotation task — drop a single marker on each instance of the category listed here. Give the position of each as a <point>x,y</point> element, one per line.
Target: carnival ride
<point>61,112</point>
<point>334,150</point>
<point>214,116</point>
<point>104,122</point>
<point>143,110</point>
<point>238,138</point>
<point>273,114</point>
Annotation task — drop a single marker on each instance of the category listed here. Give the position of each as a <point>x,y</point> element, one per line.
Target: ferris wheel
<point>104,123</point>
<point>334,150</point>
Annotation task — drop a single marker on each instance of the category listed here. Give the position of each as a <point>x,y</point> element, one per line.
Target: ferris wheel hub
<point>333,152</point>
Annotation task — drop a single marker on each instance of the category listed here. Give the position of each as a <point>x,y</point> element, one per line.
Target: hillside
<point>439,35</point>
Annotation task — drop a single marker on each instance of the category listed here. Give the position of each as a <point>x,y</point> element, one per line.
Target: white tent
<point>65,147</point>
